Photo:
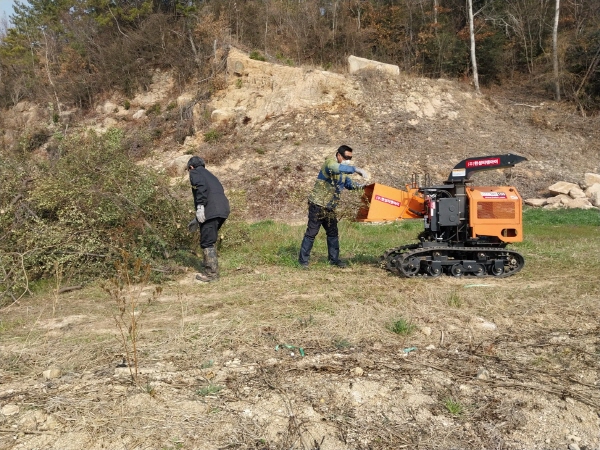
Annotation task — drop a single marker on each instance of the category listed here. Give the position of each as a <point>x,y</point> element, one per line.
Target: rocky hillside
<point>268,126</point>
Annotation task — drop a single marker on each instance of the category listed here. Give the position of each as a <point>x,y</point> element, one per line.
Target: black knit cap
<point>195,161</point>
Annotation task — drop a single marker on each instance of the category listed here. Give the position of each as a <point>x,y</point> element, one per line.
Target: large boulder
<point>582,203</point>
<point>593,194</point>
<point>560,199</point>
<point>591,178</point>
<point>562,187</point>
<point>355,64</point>
<point>576,192</point>
<point>592,190</point>
<point>537,202</point>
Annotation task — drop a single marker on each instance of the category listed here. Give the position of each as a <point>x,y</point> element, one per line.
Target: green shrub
<point>453,406</point>
<point>83,209</point>
<point>212,136</point>
<point>257,56</point>
<point>402,326</point>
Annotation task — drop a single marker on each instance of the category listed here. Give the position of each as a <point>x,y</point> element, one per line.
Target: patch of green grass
<point>154,109</point>
<point>211,389</point>
<point>341,343</point>
<point>257,56</point>
<point>150,390</point>
<point>212,136</point>
<point>453,406</point>
<point>402,327</point>
<point>454,300</point>
<point>306,322</point>
<point>536,216</point>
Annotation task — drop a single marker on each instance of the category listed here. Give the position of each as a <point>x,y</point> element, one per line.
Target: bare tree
<point>473,57</point>
<point>555,52</point>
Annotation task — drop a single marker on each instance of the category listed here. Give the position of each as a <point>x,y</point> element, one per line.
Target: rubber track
<point>410,250</point>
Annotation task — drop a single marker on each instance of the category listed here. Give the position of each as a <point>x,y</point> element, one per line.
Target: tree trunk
<point>473,58</point>
<point>555,52</point>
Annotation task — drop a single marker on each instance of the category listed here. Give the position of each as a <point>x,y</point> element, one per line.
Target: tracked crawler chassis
<point>467,228</point>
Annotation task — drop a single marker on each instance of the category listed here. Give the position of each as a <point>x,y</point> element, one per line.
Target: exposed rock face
<point>263,90</point>
<point>163,83</point>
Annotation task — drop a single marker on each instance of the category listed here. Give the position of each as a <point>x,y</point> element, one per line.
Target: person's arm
<point>334,168</point>
<point>351,185</point>
<point>200,189</point>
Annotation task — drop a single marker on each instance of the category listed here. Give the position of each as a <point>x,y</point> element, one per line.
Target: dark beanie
<point>195,161</point>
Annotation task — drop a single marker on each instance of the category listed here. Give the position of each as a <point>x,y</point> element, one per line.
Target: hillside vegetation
<point>67,54</point>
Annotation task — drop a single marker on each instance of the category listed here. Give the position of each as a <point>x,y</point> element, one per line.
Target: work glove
<point>362,172</point>
<point>193,225</point>
<point>200,214</point>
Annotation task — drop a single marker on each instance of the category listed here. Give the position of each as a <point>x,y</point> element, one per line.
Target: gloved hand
<point>200,214</point>
<point>362,172</point>
<point>193,225</point>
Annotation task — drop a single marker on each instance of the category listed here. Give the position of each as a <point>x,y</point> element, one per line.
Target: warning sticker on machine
<point>459,173</point>
<point>493,195</point>
<point>389,201</point>
<point>488,162</point>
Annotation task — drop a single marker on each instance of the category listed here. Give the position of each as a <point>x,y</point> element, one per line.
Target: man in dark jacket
<point>212,209</point>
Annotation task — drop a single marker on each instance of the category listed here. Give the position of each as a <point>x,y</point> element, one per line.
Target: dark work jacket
<point>208,191</point>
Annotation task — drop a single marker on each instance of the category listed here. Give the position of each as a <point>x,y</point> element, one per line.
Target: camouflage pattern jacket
<point>332,179</point>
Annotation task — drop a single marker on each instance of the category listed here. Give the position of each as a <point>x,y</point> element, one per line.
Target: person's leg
<point>312,229</point>
<point>333,241</point>
<point>208,238</point>
<point>219,237</point>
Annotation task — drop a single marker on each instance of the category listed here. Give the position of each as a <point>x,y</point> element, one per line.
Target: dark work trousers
<point>318,217</point>
<point>209,232</point>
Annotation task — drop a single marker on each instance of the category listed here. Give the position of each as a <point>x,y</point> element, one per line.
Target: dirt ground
<point>275,358</point>
<point>492,364</point>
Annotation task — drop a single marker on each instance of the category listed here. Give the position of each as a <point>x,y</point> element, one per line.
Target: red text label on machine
<point>483,162</point>
<point>493,195</point>
<point>389,201</point>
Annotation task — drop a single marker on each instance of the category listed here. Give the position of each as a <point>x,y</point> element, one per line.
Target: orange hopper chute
<point>381,203</point>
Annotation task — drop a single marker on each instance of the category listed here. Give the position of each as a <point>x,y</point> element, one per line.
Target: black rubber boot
<point>211,265</point>
<point>333,252</point>
<point>305,248</point>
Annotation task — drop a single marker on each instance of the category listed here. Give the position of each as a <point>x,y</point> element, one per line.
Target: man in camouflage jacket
<point>322,202</point>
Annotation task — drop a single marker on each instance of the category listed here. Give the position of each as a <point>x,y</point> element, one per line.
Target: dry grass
<point>210,375</point>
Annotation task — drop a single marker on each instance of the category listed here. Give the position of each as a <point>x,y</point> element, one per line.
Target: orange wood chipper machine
<point>466,228</point>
